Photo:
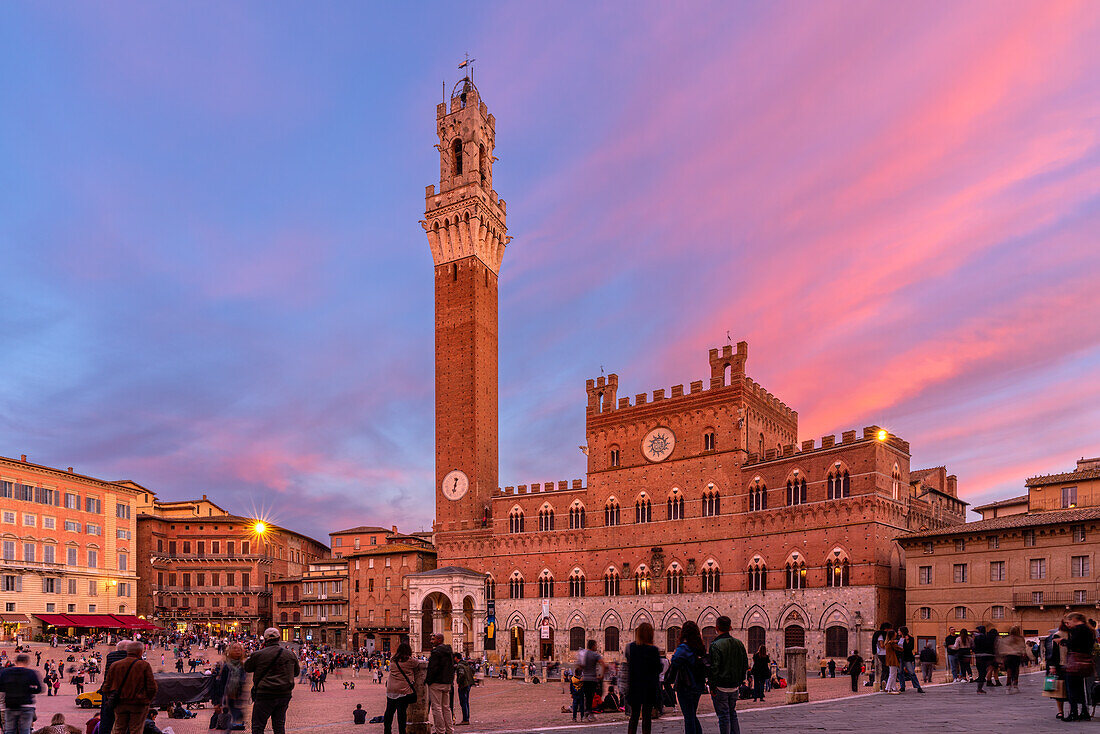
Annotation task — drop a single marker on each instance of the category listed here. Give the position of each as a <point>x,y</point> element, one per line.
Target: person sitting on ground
<point>359,716</point>
<point>58,726</point>
<point>610,702</point>
<point>179,712</point>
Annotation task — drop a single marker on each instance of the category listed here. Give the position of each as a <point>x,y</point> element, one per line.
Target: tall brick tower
<point>465,224</point>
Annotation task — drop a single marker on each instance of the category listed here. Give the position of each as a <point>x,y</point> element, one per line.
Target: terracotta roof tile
<point>1030,520</point>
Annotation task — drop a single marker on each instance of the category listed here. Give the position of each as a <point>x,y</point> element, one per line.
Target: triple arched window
<point>796,574</point>
<point>641,581</point>
<point>546,518</point>
<point>515,586</point>
<point>490,589</point>
<point>546,585</point>
<point>576,516</point>
<point>838,484</point>
<point>576,583</point>
<point>758,575</point>
<point>675,505</point>
<point>674,579</point>
<point>836,572</point>
<point>611,582</point>
<point>643,510</point>
<point>711,578</point>
<point>711,502</point>
<point>611,512</point>
<point>758,497</point>
<point>796,491</point>
<point>515,520</point>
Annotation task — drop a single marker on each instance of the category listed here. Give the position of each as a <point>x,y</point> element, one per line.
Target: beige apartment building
<point>67,547</point>
<point>1030,560</point>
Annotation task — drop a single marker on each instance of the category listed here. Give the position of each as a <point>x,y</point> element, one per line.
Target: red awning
<point>103,621</point>
<point>132,622</point>
<point>10,618</point>
<point>57,620</point>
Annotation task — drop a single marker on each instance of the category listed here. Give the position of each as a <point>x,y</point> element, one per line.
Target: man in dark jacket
<point>273,669</point>
<point>106,713</point>
<point>729,665</point>
<point>132,678</point>
<point>985,647</point>
<point>19,684</point>
<point>464,681</point>
<point>441,675</point>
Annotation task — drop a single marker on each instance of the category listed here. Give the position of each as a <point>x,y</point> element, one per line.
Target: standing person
<point>273,668</point>
<point>908,659</point>
<point>19,684</point>
<point>855,667</point>
<point>761,672</point>
<point>878,648</point>
<point>832,668</point>
<point>729,665</point>
<point>643,662</point>
<point>131,686</point>
<point>952,658</point>
<point>984,649</point>
<point>440,678</point>
<point>400,691</point>
<point>893,664</point>
<point>464,680</point>
<point>927,662</point>
<point>1012,649</point>
<point>231,683</point>
<point>962,656</point>
<point>592,671</point>
<point>1078,646</point>
<point>689,669</point>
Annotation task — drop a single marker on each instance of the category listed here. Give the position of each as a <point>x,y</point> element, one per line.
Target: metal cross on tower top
<point>467,64</point>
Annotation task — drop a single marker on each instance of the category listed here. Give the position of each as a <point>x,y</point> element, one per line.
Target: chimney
<point>23,458</point>
<point>70,470</point>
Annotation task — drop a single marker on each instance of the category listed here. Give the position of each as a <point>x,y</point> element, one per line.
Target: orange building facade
<point>67,546</point>
<point>697,503</point>
<point>204,568</point>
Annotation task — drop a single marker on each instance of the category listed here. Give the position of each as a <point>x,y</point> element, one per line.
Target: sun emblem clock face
<point>658,444</point>
<point>455,484</point>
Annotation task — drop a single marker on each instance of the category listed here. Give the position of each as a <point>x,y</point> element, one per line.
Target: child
<point>576,687</point>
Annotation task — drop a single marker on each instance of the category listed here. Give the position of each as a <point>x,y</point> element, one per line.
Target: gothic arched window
<point>611,512</point>
<point>711,505</point>
<point>546,518</point>
<point>675,505</point>
<point>796,491</point>
<point>711,578</point>
<point>758,575</point>
<point>457,149</point>
<point>643,510</point>
<point>758,497</point>
<point>515,520</point>
<point>515,586</point>
<point>611,582</point>
<point>546,585</point>
<point>674,579</point>
<point>576,516</point>
<point>576,584</point>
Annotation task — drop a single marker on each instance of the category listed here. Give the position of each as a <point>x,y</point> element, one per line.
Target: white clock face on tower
<point>658,444</point>
<point>455,484</point>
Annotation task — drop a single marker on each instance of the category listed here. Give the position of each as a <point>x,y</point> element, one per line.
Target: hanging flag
<point>466,63</point>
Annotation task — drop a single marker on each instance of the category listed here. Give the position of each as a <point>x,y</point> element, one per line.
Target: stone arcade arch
<point>449,601</point>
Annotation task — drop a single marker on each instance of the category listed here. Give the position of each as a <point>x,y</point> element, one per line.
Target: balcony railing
<point>1089,597</point>
<point>163,556</point>
<point>1083,499</point>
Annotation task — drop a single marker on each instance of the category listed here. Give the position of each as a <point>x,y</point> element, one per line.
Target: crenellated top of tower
<point>466,217</point>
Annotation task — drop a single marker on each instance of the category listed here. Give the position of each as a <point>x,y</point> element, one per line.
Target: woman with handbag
<point>400,691</point>
<point>1055,684</point>
<point>1078,663</point>
<point>689,671</point>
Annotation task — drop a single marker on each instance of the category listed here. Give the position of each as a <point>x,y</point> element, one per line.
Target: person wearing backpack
<point>273,669</point>
<point>19,684</point>
<point>729,666</point>
<point>689,671</point>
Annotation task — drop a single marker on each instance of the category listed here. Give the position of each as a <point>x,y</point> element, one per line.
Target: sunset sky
<point>214,281</point>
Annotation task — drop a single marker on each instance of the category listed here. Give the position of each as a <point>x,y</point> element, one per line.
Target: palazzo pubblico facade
<point>698,502</point>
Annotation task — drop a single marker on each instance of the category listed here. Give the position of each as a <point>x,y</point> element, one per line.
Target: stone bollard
<point>796,675</point>
<point>418,711</point>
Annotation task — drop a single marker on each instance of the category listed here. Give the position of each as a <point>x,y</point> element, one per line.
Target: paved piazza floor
<point>509,706</point>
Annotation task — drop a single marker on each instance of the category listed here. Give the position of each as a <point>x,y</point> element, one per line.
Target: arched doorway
<point>672,639</point>
<point>546,641</point>
<point>516,649</point>
<point>794,636</point>
<point>435,606</point>
<point>836,642</point>
<point>757,638</point>
<point>709,633</point>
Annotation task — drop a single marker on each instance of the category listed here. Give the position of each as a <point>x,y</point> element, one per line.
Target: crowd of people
<point>643,685</point>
